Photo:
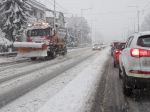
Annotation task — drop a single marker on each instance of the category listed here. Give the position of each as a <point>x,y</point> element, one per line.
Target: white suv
<point>135,63</point>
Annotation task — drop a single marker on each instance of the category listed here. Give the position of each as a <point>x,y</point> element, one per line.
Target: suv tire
<point>115,65</point>
<point>126,89</point>
<point>33,58</point>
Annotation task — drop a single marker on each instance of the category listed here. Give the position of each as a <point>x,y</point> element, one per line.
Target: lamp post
<point>138,17</point>
<point>54,15</point>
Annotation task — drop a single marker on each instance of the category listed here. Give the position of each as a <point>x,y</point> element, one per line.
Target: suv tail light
<point>29,39</point>
<point>136,52</point>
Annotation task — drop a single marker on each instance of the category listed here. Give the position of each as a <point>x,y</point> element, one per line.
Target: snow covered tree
<point>79,28</point>
<point>14,15</point>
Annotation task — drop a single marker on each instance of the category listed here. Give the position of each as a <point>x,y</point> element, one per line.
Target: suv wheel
<point>115,64</point>
<point>54,55</point>
<point>33,58</point>
<point>126,89</point>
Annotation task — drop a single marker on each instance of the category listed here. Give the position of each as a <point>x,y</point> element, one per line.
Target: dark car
<point>113,47</point>
<point>117,52</point>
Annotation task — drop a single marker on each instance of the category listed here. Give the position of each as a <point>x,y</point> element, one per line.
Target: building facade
<point>38,10</point>
<point>59,19</point>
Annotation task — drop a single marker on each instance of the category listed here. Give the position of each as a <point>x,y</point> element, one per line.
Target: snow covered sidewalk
<point>6,60</point>
<point>75,95</point>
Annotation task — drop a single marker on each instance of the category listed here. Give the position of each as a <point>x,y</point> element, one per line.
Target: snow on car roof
<point>141,33</point>
<point>145,33</point>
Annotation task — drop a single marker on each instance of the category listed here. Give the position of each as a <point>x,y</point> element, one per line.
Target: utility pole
<point>138,17</point>
<point>55,15</point>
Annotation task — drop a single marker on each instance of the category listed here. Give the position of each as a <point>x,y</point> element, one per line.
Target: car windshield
<point>144,41</point>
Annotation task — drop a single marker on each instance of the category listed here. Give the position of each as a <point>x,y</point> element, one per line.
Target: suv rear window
<point>121,45</point>
<point>144,41</point>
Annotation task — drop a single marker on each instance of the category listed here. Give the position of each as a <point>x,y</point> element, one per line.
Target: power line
<point>51,2</point>
<point>58,5</point>
<point>109,13</point>
<point>61,6</point>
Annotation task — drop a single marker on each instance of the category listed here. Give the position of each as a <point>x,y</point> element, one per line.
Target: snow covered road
<point>62,72</point>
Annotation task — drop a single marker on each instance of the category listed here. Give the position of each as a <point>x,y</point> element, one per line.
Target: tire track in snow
<point>6,76</point>
<point>12,93</point>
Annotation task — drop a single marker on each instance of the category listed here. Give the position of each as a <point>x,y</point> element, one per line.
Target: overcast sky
<point>110,19</point>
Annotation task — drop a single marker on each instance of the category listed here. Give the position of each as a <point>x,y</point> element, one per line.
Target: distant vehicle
<point>96,47</point>
<point>135,63</point>
<point>42,41</point>
<point>117,53</point>
<point>113,47</point>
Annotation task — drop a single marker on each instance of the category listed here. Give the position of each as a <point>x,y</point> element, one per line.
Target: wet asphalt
<point>109,95</point>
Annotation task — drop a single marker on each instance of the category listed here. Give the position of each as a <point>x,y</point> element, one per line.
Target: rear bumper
<point>137,82</point>
<point>116,60</point>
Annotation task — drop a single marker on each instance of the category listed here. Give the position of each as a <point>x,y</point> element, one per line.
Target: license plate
<point>146,63</point>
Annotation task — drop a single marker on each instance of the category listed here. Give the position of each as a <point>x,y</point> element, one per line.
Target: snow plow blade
<point>30,49</point>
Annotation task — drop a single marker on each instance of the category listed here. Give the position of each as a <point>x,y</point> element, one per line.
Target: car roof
<point>141,33</point>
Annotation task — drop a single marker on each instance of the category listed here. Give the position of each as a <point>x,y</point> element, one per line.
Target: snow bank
<point>6,60</point>
<point>74,96</point>
<point>34,100</point>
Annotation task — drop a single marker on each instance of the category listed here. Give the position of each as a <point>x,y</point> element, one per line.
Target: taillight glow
<point>135,52</point>
<point>117,51</point>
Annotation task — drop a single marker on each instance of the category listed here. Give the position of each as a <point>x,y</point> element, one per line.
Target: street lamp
<point>138,17</point>
<point>54,15</point>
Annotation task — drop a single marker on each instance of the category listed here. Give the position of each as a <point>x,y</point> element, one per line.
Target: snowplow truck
<point>42,41</point>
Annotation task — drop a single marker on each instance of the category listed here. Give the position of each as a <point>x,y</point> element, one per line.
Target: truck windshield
<point>38,32</point>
